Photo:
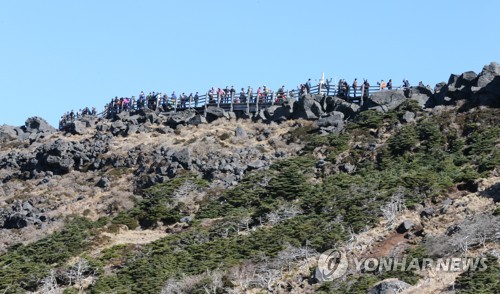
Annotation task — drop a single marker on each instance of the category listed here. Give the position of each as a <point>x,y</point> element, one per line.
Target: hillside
<point>149,202</point>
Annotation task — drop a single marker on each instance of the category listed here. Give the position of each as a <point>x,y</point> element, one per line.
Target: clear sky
<point>61,55</point>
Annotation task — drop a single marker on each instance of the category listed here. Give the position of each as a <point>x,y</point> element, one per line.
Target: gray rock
<point>405,226</point>
<point>7,133</point>
<point>487,75</point>
<point>214,113</point>
<point>453,230</point>
<point>348,168</point>
<point>27,206</point>
<point>104,183</point>
<point>389,286</point>
<point>15,221</point>
<point>183,157</point>
<point>186,219</point>
<point>332,119</point>
<point>408,116</point>
<point>62,164</point>
<point>308,107</point>
<point>240,132</point>
<point>197,120</point>
<point>38,125</point>
<point>340,105</point>
<point>466,79</point>
<point>427,212</point>
<point>278,113</point>
<point>385,100</point>
<point>256,164</point>
<point>181,117</point>
<point>78,127</point>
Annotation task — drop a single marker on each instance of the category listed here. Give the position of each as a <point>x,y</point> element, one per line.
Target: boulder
<point>38,125</point>
<point>408,116</point>
<point>197,120</point>
<point>7,133</point>
<point>240,132</point>
<point>385,100</point>
<point>181,117</point>
<point>330,119</point>
<point>340,105</point>
<point>214,113</point>
<point>104,183</point>
<point>256,164</point>
<point>78,127</point>
<point>427,212</point>
<point>487,75</point>
<point>308,107</point>
<point>405,226</point>
<point>183,157</point>
<point>389,286</point>
<point>15,221</point>
<point>278,113</point>
<point>466,79</point>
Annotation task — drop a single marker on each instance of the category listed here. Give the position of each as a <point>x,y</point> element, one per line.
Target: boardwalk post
<point>232,98</point>
<point>249,97</point>
<point>205,108</point>
<point>257,98</point>
<point>190,101</point>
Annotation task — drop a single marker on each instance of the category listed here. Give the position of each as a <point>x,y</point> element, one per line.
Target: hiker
<point>382,85</point>
<point>280,93</point>
<point>420,84</point>
<point>196,98</point>
<point>211,94</point>
<point>366,91</point>
<point>232,93</point>
<point>406,84</point>
<point>190,99</point>
<point>243,98</point>
<point>174,99</point>
<point>259,95</point>
<point>355,86</point>
<point>226,94</point>
<point>183,99</point>
<point>389,84</point>
<point>250,94</point>
<point>346,91</point>
<point>308,86</point>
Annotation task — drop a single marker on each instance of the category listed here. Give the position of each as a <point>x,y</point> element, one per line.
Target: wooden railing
<point>250,102</point>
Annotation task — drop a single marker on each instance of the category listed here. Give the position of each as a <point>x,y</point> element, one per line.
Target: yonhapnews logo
<point>333,264</point>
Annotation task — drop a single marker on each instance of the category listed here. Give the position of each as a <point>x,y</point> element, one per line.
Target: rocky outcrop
<point>389,286</point>
<point>7,133</point>
<point>385,100</point>
<point>331,123</point>
<point>340,105</point>
<point>481,89</point>
<point>21,214</point>
<point>278,113</point>
<point>214,113</point>
<point>308,107</point>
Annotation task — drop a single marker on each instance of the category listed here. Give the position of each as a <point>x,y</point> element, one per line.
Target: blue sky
<point>61,55</point>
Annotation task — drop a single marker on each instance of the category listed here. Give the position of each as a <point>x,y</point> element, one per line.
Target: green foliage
<point>371,119</point>
<point>157,204</point>
<point>404,141</point>
<point>478,281</point>
<point>22,267</point>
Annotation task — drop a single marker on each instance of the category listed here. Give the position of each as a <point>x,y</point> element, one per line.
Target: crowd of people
<point>70,116</point>
<point>216,96</point>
